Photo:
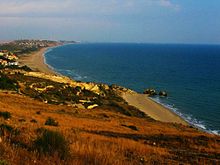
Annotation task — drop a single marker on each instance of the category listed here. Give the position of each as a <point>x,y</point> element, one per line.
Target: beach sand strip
<point>36,61</point>
<point>152,109</point>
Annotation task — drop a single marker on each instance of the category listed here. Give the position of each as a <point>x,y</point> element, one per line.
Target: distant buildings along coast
<point>8,58</point>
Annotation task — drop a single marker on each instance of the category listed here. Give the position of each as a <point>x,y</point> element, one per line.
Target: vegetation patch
<point>4,128</point>
<point>33,121</point>
<point>3,162</point>
<point>7,84</point>
<point>5,115</point>
<point>21,120</point>
<point>52,142</point>
<point>8,131</point>
<point>52,122</point>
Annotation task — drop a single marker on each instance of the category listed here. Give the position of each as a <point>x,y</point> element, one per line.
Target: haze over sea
<point>189,73</point>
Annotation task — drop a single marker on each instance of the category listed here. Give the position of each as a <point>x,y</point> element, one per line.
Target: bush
<point>6,129</point>
<point>33,121</point>
<point>52,122</point>
<point>26,68</point>
<point>78,88</point>
<point>3,162</point>
<point>52,142</point>
<point>7,84</point>
<point>5,115</point>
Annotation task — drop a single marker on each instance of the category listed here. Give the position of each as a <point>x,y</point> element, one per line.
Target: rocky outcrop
<point>150,92</point>
<point>119,90</point>
<point>94,87</point>
<point>153,92</point>
<point>163,94</point>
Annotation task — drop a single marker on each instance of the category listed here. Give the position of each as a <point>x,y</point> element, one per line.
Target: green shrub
<point>3,162</point>
<point>26,68</point>
<point>9,129</point>
<point>5,115</point>
<point>88,93</point>
<point>78,88</point>
<point>7,84</point>
<point>52,142</point>
<point>52,122</point>
<point>33,121</point>
<point>6,127</point>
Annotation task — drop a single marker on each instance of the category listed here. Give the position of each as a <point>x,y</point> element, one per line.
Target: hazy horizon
<point>143,21</point>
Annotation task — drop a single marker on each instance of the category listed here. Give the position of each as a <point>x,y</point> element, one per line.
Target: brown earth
<point>102,136</point>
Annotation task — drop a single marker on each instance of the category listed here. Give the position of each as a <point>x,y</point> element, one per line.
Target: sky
<point>142,21</point>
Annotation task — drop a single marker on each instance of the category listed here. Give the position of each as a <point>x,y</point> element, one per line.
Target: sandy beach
<point>36,61</point>
<point>152,109</point>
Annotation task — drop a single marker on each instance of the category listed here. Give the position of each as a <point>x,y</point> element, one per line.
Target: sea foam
<point>187,117</point>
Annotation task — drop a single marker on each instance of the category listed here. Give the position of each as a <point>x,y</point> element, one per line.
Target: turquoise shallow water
<point>189,73</point>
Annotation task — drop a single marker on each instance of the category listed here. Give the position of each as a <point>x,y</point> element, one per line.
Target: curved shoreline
<point>37,62</point>
<point>152,108</point>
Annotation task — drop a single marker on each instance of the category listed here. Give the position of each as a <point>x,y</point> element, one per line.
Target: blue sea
<point>189,73</point>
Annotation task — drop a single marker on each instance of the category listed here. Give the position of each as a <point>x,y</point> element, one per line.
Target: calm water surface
<point>190,73</point>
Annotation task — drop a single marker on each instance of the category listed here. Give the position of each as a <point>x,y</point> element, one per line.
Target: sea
<point>189,73</point>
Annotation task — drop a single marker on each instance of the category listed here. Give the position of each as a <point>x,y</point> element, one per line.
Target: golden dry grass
<point>101,136</point>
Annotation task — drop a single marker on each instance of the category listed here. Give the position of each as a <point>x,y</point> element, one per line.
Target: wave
<point>48,50</point>
<point>45,60</point>
<point>187,117</point>
<point>73,74</point>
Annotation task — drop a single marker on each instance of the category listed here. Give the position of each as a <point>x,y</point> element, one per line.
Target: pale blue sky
<point>150,21</point>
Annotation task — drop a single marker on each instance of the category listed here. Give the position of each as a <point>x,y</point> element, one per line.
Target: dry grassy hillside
<point>60,132</point>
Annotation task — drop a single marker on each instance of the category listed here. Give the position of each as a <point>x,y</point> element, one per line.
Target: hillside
<point>47,119</point>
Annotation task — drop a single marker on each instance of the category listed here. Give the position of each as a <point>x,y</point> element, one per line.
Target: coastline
<point>36,61</point>
<point>152,108</point>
